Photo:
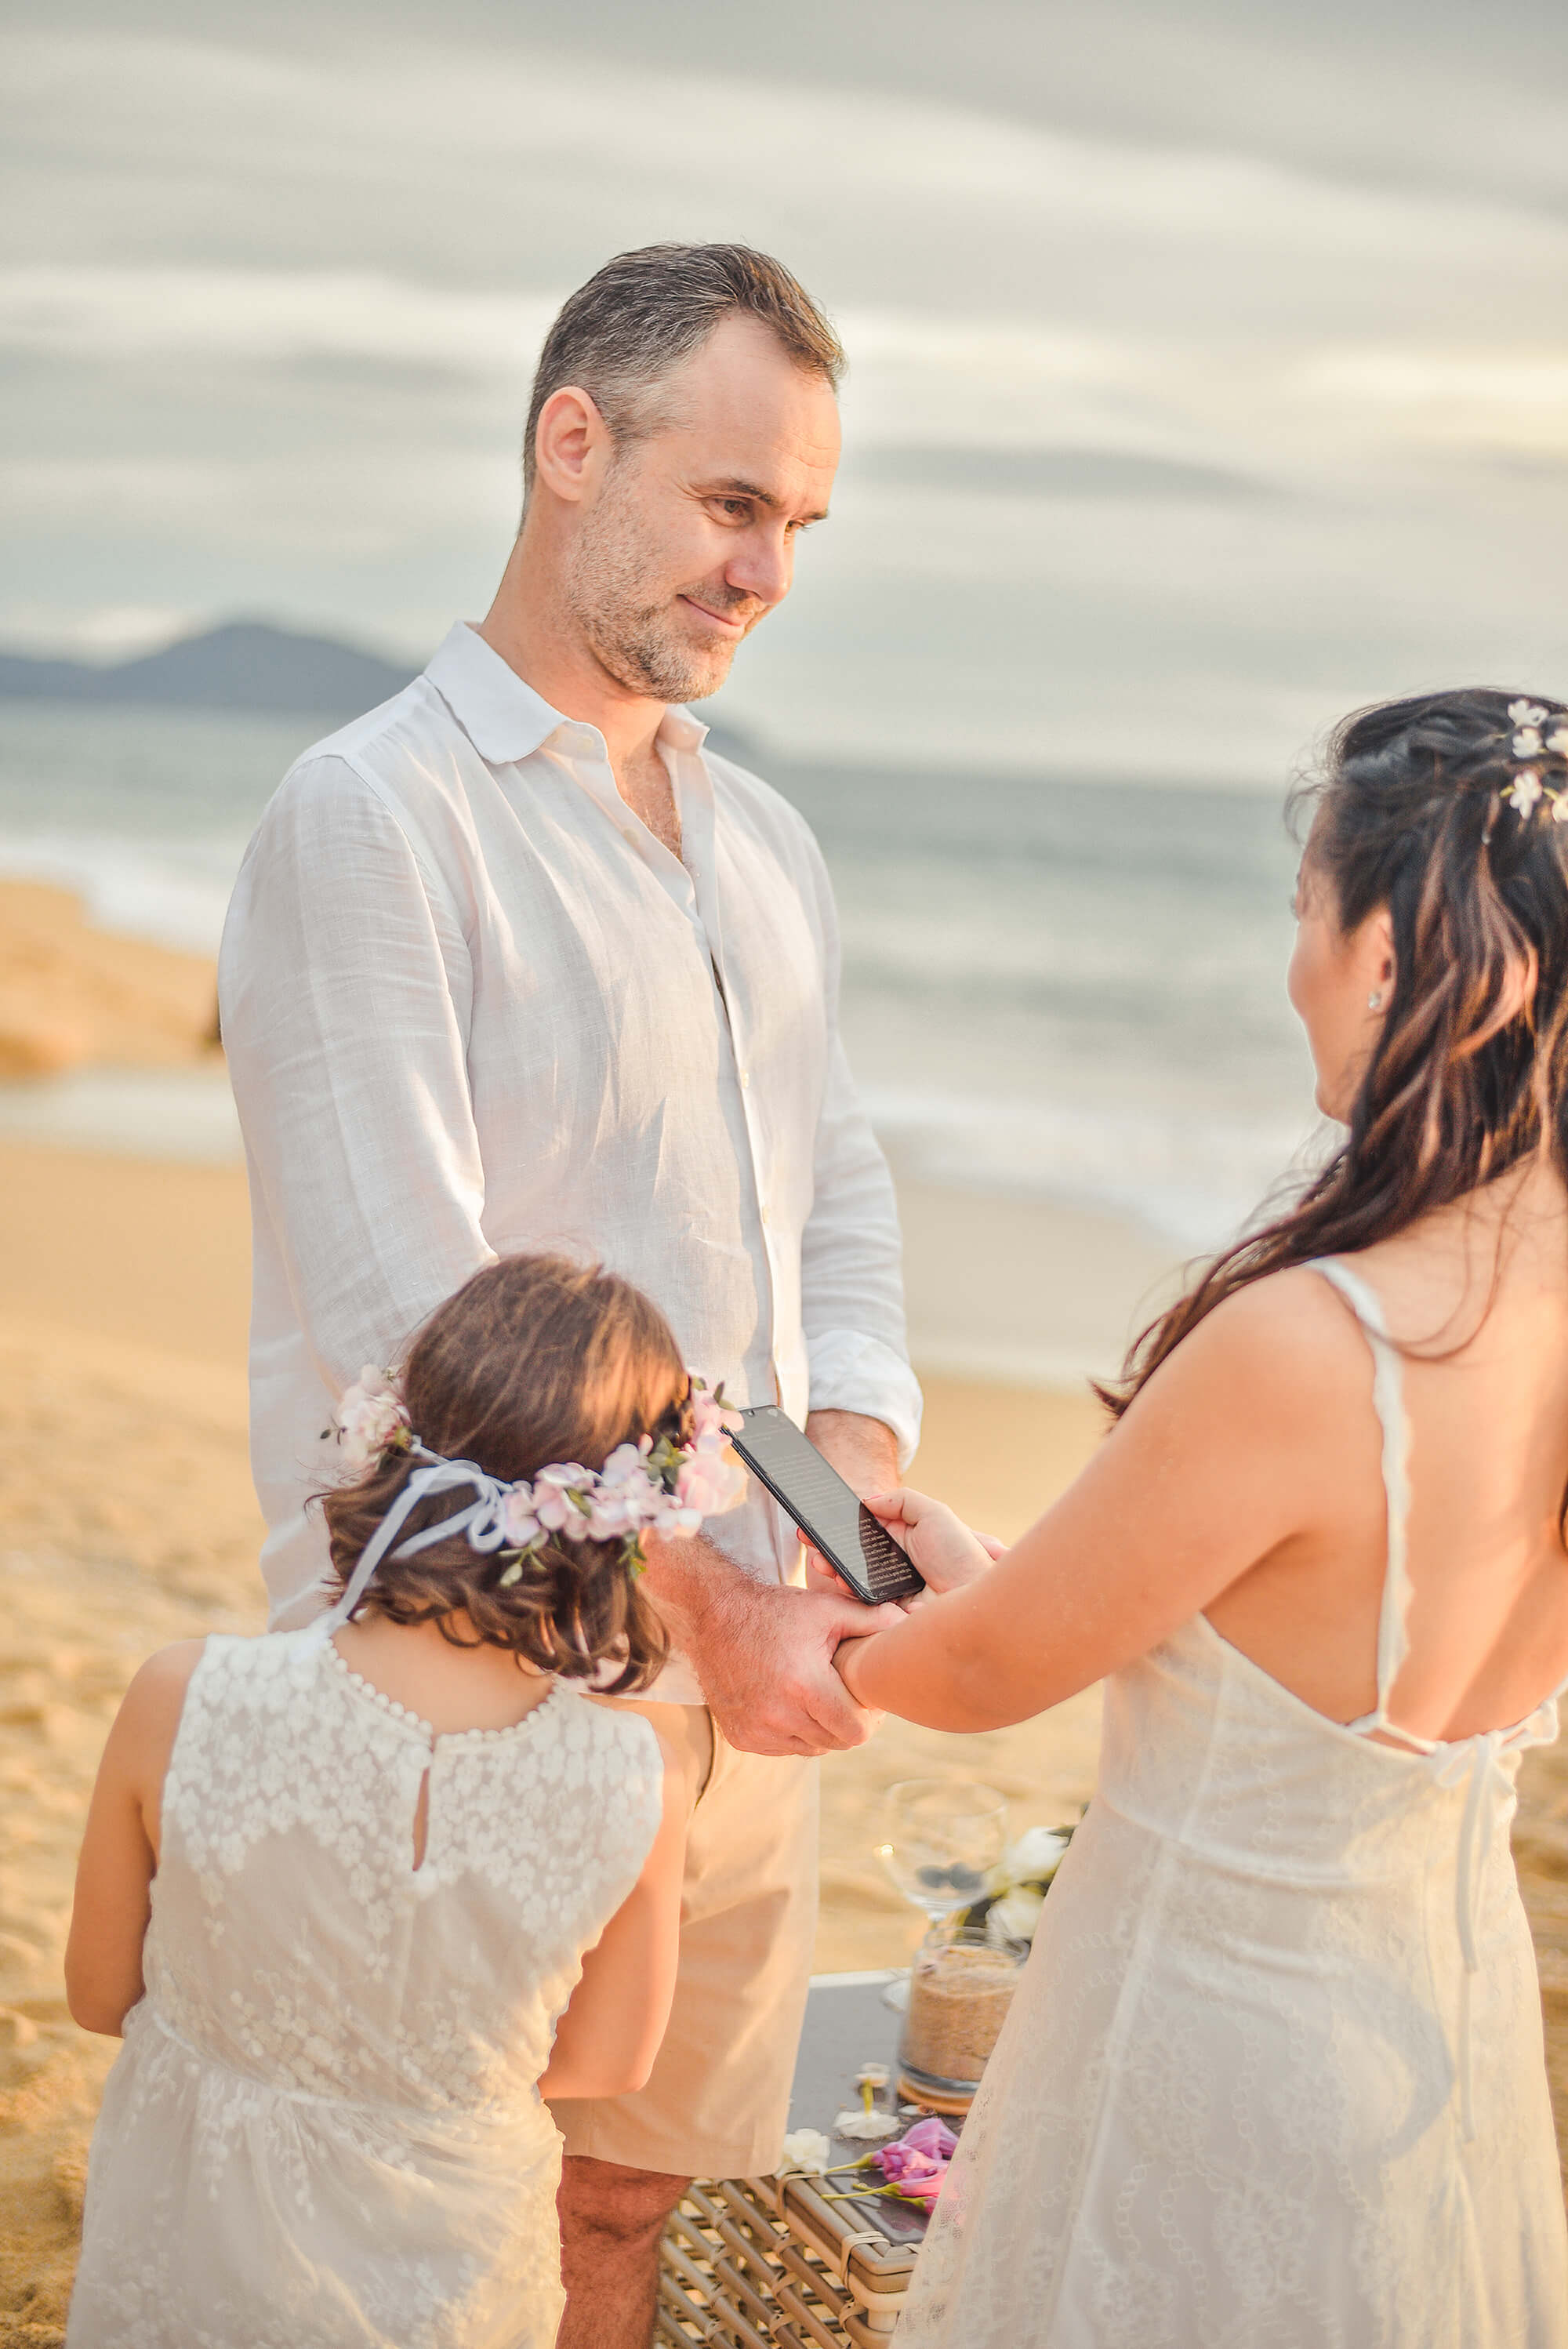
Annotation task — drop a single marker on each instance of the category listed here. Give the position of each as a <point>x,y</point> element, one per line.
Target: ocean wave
<point>1194,1177</point>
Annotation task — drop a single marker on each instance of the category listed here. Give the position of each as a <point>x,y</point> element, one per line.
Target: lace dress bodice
<point>1274,2075</point>
<point>327,2112</point>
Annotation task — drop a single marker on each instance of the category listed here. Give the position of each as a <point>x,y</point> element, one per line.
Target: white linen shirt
<point>472,1005</point>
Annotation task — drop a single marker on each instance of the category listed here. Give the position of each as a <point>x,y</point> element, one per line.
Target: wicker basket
<point>766,2263</point>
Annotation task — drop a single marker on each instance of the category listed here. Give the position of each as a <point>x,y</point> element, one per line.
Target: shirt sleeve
<point>851,1277</point>
<point>346,987</point>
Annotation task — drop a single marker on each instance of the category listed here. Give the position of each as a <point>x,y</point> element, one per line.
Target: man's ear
<point>571,443</point>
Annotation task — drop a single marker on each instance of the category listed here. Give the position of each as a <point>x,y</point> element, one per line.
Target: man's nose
<point>763,564</point>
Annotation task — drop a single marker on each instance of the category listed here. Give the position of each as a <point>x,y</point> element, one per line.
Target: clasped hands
<point>764,1651</point>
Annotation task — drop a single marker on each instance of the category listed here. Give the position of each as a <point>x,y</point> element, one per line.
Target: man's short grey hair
<point>643,313</point>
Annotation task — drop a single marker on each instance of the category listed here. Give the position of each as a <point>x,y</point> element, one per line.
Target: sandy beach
<point>127,1519</point>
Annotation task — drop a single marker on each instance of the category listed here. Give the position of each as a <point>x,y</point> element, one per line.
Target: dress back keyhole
<point>422,1821</point>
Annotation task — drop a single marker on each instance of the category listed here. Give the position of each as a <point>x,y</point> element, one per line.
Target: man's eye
<point>737,509</point>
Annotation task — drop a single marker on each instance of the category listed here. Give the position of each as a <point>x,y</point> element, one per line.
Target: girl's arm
<point>606,2041</point>
<point>1217,1468</point>
<point>120,1847</point>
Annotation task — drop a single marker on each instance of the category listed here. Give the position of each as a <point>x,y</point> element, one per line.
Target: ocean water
<point>1053,990</point>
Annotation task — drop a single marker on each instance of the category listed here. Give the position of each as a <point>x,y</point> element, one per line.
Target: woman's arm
<point>119,1845</point>
<point>606,2041</point>
<point>1223,1463</point>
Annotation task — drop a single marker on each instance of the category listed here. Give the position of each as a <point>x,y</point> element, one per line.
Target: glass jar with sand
<point>960,1987</point>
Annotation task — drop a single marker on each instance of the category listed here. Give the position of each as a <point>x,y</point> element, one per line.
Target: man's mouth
<point>733,623</point>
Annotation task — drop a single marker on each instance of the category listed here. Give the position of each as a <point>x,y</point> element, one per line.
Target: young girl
<point>359,1895</point>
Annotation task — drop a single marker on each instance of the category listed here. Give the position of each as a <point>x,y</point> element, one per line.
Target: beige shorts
<point>718,2099</point>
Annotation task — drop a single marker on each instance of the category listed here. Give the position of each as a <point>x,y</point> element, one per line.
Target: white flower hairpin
<point>1531,742</point>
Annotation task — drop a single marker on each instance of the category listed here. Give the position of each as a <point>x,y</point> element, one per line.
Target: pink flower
<point>370,1417</point>
<point>710,1417</point>
<point>611,1516</point>
<point>917,2163</point>
<point>932,2136</point>
<point>517,1521</point>
<point>553,1503</point>
<point>710,1480</point>
<point>625,1465</point>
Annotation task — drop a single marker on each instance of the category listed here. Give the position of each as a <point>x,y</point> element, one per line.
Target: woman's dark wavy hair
<point>535,1360</point>
<point>1469,1077</point>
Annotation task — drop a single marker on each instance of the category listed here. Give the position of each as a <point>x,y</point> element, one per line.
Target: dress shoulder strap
<point>1388,1402</point>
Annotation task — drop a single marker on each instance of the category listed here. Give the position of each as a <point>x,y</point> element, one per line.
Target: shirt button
<point>765,1216</point>
<point>630,837</point>
<point>745,1078</point>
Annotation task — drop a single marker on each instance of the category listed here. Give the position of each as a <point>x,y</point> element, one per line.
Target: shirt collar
<point>503,717</point>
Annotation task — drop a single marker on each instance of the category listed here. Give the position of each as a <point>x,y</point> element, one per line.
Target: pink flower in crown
<point>710,1479</point>
<point>709,1417</point>
<point>552,1501</point>
<point>518,1522</point>
<point>371,1416</point>
<point>624,1467</point>
<point>613,1514</point>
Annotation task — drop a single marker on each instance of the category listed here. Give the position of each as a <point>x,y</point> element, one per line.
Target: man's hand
<point>763,1653</point>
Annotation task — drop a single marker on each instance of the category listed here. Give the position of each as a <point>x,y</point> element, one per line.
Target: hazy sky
<point>1209,364</point>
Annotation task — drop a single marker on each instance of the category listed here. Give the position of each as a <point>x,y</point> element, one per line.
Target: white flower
<point>855,2123</point>
<point>1034,1858</point>
<point>1014,1917</point>
<point>1527,743</point>
<point>1523,792</point>
<point>1560,808</point>
<point>808,2149</point>
<point>1557,741</point>
<point>1527,713</point>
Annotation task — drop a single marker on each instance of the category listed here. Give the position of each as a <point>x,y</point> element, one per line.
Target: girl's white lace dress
<point>323,2131</point>
<point>1275,2074</point>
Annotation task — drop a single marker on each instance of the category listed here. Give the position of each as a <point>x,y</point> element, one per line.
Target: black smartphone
<point>833,1519</point>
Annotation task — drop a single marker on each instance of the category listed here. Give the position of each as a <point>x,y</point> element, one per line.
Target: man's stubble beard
<point>639,642</point>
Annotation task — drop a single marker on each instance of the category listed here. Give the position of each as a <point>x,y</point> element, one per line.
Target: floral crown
<point>659,1486</point>
<point>1532,745</point>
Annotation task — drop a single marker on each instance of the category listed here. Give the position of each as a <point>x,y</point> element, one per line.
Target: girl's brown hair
<point>1469,1073</point>
<point>535,1360</point>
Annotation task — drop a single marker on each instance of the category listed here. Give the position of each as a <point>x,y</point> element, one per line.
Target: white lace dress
<point>1274,2077</point>
<point>324,2131</point>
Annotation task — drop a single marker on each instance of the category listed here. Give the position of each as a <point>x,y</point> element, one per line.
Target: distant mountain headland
<point>244,665</point>
<point>248,665</point>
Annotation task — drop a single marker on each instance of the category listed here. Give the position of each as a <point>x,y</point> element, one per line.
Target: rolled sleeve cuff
<point>850,1371</point>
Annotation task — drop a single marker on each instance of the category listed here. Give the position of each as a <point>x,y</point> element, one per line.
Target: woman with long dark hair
<point>1275,2073</point>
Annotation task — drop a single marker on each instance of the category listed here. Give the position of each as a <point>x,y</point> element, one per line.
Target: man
<point>513,962</point>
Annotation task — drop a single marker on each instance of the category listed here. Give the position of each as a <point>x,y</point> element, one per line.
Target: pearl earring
<point>1375,1001</point>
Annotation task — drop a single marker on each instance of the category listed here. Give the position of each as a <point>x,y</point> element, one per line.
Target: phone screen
<point>833,1519</point>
